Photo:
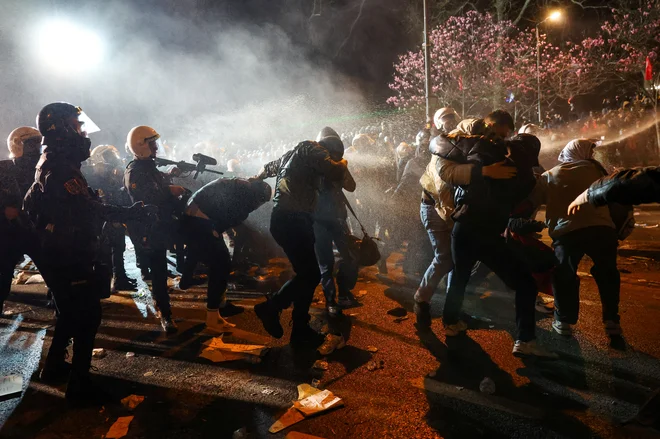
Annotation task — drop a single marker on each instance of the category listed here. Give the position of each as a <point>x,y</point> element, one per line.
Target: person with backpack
<point>299,173</point>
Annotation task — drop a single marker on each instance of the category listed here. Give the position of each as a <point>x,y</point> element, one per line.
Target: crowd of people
<point>476,183</point>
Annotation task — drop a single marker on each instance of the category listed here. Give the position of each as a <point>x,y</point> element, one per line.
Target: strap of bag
<point>353,212</point>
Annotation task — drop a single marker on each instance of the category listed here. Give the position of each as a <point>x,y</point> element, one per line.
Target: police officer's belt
<point>194,210</point>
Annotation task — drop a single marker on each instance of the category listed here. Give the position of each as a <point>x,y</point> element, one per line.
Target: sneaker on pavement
<point>423,314</point>
<point>333,308</point>
<point>270,318</point>
<point>332,342</point>
<point>455,329</point>
<point>544,307</point>
<point>612,328</point>
<point>562,328</point>
<point>532,349</point>
<point>347,300</point>
<point>168,325</point>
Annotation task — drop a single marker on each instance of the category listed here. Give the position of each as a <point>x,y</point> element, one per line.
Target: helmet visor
<point>88,125</point>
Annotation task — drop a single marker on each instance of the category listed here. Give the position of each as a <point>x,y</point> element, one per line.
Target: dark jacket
<point>109,181</point>
<point>9,190</point>
<point>67,213</point>
<point>144,182</point>
<point>630,186</point>
<point>299,174</point>
<point>227,202</point>
<point>485,203</point>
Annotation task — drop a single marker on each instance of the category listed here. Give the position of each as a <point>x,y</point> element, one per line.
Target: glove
<point>580,201</point>
<point>140,211</point>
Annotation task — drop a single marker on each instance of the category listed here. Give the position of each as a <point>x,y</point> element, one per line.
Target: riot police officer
<point>16,176</point>
<point>144,182</point>
<point>68,215</point>
<point>105,173</point>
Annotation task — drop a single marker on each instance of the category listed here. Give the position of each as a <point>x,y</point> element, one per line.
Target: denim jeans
<point>440,237</point>
<point>600,244</point>
<point>326,233</point>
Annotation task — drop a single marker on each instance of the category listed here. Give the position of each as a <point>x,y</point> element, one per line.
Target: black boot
<point>423,314</point>
<point>304,337</point>
<point>55,372</point>
<point>81,391</point>
<point>122,283</point>
<point>270,318</point>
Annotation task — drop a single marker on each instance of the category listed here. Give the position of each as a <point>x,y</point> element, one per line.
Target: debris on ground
<point>148,374</point>
<point>320,365</point>
<point>11,386</point>
<point>132,401</point>
<point>398,312</point>
<point>487,386</point>
<point>316,383</point>
<point>120,428</point>
<point>372,349</point>
<point>375,365</point>
<point>311,401</point>
<point>99,353</point>
<point>296,435</point>
<point>267,391</point>
<point>36,279</point>
<point>646,226</point>
<point>20,279</point>
<point>400,319</point>
<point>360,293</point>
<point>218,351</point>
<point>130,354</point>
<point>332,342</point>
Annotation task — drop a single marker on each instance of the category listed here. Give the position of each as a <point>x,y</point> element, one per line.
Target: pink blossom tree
<point>473,56</point>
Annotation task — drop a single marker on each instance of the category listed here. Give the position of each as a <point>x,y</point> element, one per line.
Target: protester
<point>331,227</point>
<point>298,175</point>
<point>216,207</point>
<point>590,231</point>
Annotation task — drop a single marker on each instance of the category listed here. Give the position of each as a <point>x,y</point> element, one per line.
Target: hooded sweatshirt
<point>558,187</point>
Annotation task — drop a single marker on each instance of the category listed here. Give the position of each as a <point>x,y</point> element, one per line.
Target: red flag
<point>648,75</point>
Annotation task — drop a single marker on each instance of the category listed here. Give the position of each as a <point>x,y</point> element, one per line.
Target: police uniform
<point>144,182</point>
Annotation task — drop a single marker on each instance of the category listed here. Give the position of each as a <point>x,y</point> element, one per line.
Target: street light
<point>554,16</point>
<point>68,48</point>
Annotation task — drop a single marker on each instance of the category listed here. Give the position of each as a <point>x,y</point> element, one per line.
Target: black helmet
<point>52,120</point>
<point>54,123</point>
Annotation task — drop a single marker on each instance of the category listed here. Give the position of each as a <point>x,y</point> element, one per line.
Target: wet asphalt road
<point>428,386</point>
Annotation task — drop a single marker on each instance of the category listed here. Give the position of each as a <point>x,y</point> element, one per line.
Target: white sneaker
<point>544,307</point>
<point>455,329</point>
<point>612,328</point>
<point>531,349</point>
<point>562,328</point>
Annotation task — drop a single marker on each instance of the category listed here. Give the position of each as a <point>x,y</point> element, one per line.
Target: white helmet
<point>101,153</point>
<point>441,114</point>
<point>138,140</point>
<point>233,165</point>
<point>17,137</point>
<point>530,128</point>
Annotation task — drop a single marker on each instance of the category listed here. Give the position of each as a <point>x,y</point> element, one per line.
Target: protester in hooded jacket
<point>482,212</point>
<point>628,186</point>
<point>589,231</point>
<point>331,227</point>
<point>299,173</point>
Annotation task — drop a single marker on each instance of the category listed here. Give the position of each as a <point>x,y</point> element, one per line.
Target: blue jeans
<point>327,233</point>
<point>440,237</point>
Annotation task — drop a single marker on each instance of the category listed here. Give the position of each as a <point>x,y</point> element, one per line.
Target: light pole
<point>427,65</point>
<point>554,16</point>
